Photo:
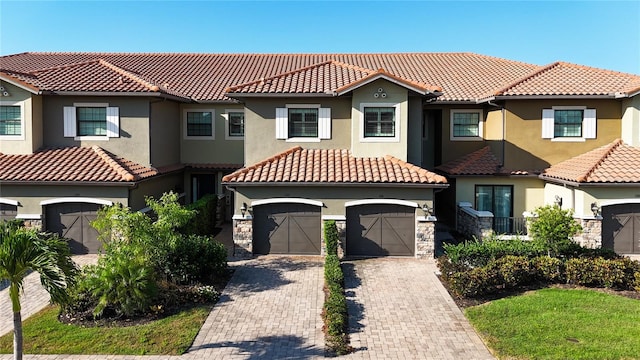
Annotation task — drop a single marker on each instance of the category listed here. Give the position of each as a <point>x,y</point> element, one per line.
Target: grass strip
<point>560,324</point>
<point>173,335</point>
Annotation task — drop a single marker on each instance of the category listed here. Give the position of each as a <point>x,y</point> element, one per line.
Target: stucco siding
<point>454,149</point>
<point>134,141</point>
<point>525,147</point>
<point>154,187</point>
<point>260,135</point>
<point>631,121</point>
<point>218,150</point>
<point>164,124</point>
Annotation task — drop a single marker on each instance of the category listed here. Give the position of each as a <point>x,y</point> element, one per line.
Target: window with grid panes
<point>91,121</point>
<point>379,122</point>
<point>236,124</point>
<point>303,123</point>
<point>567,123</point>
<point>466,124</point>
<point>10,120</point>
<point>199,123</point>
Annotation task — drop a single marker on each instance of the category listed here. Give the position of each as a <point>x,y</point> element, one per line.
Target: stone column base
<point>243,237</point>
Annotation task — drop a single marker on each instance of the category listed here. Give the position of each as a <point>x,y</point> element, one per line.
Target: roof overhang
<point>332,184</point>
<point>388,77</point>
<point>71,183</point>
<point>549,97</point>
<point>277,95</point>
<point>116,93</point>
<point>589,184</point>
<point>15,82</point>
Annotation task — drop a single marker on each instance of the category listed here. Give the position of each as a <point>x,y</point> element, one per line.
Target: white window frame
<point>22,120</point>
<point>227,124</point>
<point>71,124</point>
<point>589,124</point>
<point>213,124</point>
<point>282,123</point>
<point>480,125</point>
<point>375,139</point>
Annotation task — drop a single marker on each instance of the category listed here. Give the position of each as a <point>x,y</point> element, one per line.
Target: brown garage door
<point>8,212</point>
<point>73,221</point>
<point>286,229</point>
<point>621,228</point>
<point>380,230</point>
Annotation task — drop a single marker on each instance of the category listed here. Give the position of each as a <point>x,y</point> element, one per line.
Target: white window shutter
<point>547,124</point>
<point>113,122</point>
<point>324,123</point>
<point>589,124</point>
<point>69,121</point>
<point>282,125</point>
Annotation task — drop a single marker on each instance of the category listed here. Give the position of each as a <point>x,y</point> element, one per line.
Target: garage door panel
<point>621,228</point>
<point>8,212</point>
<point>73,222</point>
<point>286,229</point>
<point>380,230</point>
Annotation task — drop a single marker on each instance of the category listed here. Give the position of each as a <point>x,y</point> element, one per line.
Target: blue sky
<point>603,34</point>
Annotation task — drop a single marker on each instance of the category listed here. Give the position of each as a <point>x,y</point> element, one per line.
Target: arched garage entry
<point>381,228</point>
<point>621,228</point>
<point>282,226</point>
<point>71,219</point>
<point>8,209</point>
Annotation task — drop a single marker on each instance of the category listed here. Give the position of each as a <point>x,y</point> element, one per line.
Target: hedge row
<point>335,304</point>
<point>511,271</point>
<point>204,223</point>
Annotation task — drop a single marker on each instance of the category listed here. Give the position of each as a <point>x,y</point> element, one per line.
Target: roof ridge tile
<point>527,77</point>
<point>130,75</point>
<point>109,160</point>
<point>608,150</point>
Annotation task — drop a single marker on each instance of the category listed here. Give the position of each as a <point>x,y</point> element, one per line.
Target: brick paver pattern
<point>398,309</point>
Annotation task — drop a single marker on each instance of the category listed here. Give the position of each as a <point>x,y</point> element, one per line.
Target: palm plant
<point>24,250</point>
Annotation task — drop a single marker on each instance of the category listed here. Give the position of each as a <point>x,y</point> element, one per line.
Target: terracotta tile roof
<point>562,78</point>
<point>329,77</point>
<point>612,163</point>
<point>480,162</point>
<point>205,77</point>
<point>90,164</point>
<point>332,166</point>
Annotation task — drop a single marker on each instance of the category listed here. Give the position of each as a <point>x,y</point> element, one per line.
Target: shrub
<point>636,281</point>
<point>600,272</point>
<point>334,311</point>
<point>331,237</point>
<point>204,221</point>
<point>476,253</point>
<point>548,269</point>
<point>332,272</point>
<point>475,282</point>
<point>514,270</point>
<point>554,227</point>
<point>195,259</point>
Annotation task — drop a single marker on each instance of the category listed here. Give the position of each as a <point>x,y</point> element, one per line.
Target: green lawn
<point>44,334</point>
<point>560,324</point>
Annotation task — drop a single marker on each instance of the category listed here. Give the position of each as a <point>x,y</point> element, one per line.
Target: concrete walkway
<point>398,309</point>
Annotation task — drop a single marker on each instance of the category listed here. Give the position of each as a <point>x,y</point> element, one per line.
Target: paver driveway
<point>398,309</point>
<point>269,310</point>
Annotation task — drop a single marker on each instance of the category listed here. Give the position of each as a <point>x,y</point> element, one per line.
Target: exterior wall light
<point>427,210</point>
<point>243,209</point>
<point>558,201</point>
<point>595,209</point>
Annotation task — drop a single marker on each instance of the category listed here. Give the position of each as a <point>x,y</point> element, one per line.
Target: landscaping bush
<point>600,272</point>
<point>204,221</point>
<point>331,237</point>
<point>548,269</point>
<point>514,271</point>
<point>335,307</point>
<point>476,253</point>
<point>196,259</point>
<point>553,227</point>
<point>475,282</point>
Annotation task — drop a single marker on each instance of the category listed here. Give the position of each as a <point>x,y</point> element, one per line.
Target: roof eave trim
<point>559,181</point>
<point>116,93</point>
<point>71,183</point>
<point>367,80</point>
<point>277,95</point>
<point>542,97</point>
<point>349,184</point>
<point>32,89</point>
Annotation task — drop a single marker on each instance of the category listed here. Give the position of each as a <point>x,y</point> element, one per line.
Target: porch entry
<point>498,199</point>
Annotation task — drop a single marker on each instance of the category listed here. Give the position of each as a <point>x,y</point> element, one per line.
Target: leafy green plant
<point>600,272</point>
<point>334,311</point>
<point>204,221</point>
<point>548,269</point>
<point>331,237</point>
<point>195,258</point>
<point>480,253</point>
<point>554,227</point>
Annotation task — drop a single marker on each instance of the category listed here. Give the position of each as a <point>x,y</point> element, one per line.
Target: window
<point>566,123</point>
<point>379,122</point>
<point>91,121</point>
<point>303,123</point>
<point>10,120</point>
<point>466,125</point>
<point>199,124</point>
<point>236,124</point>
<point>498,199</point>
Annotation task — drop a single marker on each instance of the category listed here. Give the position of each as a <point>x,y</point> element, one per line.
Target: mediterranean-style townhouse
<point>384,144</point>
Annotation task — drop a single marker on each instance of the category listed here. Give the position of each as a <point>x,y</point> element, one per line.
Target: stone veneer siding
<point>591,235</point>
<point>473,226</point>
<point>243,237</point>
<point>33,224</point>
<point>425,238</point>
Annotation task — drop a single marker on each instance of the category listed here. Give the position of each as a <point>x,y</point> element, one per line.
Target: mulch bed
<point>111,319</point>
